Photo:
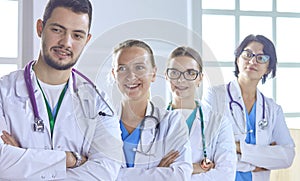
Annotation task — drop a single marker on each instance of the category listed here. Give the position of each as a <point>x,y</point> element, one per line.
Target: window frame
<point>10,60</point>
<point>237,13</point>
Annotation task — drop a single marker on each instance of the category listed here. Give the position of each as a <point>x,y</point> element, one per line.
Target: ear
<point>199,79</point>
<point>154,74</point>
<point>39,27</point>
<point>113,73</point>
<point>89,36</point>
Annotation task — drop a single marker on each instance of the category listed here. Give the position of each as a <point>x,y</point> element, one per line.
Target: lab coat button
<point>53,176</point>
<point>58,146</point>
<point>46,147</point>
<point>43,177</point>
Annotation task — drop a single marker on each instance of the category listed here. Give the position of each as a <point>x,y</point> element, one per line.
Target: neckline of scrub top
<point>251,119</point>
<point>130,141</point>
<point>52,114</point>
<point>190,122</point>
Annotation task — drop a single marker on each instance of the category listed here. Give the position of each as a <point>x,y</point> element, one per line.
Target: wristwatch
<point>78,159</point>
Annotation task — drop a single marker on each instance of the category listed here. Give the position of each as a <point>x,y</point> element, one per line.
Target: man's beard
<point>49,61</point>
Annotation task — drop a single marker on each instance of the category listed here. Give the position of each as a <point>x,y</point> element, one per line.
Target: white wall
<point>110,14</point>
<point>163,24</point>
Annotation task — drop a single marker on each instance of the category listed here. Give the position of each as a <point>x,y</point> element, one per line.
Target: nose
<point>181,78</point>
<point>66,40</point>
<point>253,60</point>
<point>130,75</point>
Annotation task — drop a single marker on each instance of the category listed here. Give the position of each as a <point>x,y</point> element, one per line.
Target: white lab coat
<point>172,134</point>
<point>220,146</point>
<point>77,128</point>
<point>262,154</point>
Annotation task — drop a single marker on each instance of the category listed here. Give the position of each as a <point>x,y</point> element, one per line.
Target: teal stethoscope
<point>262,124</point>
<point>190,120</point>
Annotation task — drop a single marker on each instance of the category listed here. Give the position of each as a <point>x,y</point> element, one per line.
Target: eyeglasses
<point>189,74</point>
<point>260,58</point>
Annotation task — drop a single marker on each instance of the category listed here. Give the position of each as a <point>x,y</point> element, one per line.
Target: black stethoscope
<point>38,125</point>
<point>150,121</point>
<point>262,124</point>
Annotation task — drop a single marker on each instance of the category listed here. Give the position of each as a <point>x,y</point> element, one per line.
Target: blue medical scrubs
<point>250,139</point>
<point>130,143</point>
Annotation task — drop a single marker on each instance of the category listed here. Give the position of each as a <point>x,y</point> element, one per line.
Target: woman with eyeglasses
<point>263,141</point>
<point>212,141</point>
<point>156,144</point>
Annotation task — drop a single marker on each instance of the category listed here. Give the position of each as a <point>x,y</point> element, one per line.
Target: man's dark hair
<point>77,6</point>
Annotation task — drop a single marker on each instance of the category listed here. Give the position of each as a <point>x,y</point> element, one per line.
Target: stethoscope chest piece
<point>205,163</point>
<point>263,124</point>
<point>38,125</point>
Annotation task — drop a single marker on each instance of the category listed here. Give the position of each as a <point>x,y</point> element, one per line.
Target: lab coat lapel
<point>22,92</point>
<point>260,133</point>
<point>148,140</point>
<point>83,103</point>
<point>238,113</point>
<point>210,128</point>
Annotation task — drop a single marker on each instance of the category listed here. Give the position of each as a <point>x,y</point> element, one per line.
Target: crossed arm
<point>70,158</point>
<point>257,169</point>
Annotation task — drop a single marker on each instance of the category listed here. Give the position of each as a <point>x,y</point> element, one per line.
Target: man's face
<point>64,36</point>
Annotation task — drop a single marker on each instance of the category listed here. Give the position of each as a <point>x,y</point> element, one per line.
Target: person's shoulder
<point>170,113</point>
<point>271,102</point>
<point>87,84</point>
<point>161,112</point>
<point>211,114</point>
<point>215,90</point>
<point>12,77</point>
<point>167,116</point>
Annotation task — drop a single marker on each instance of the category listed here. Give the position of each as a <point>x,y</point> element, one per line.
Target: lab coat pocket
<point>88,103</point>
<point>84,119</point>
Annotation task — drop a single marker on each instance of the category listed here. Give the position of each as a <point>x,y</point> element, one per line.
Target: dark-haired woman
<point>263,141</point>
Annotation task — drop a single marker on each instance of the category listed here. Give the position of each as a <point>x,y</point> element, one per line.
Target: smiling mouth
<point>132,86</point>
<point>181,88</point>
<point>62,53</point>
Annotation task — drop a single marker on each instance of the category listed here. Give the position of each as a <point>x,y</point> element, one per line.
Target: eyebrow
<point>191,69</point>
<point>251,51</point>
<point>62,27</point>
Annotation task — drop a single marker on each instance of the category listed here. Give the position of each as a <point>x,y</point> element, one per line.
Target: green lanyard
<point>190,122</point>
<point>52,115</point>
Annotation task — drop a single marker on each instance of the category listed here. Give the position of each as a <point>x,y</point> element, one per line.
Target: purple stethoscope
<point>263,123</point>
<point>38,124</point>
